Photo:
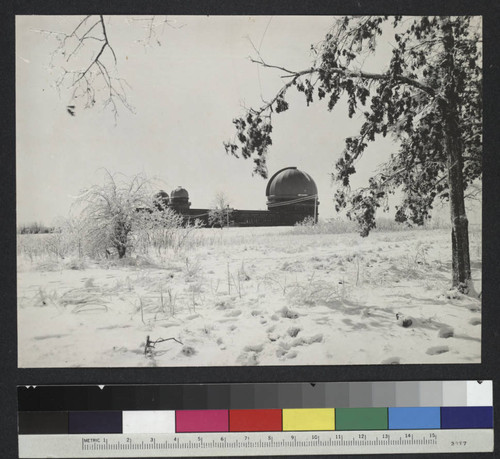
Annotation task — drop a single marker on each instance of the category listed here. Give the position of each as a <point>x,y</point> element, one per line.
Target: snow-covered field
<point>254,296</point>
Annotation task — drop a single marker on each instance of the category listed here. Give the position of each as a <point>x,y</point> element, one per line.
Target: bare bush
<point>112,211</point>
<point>163,230</point>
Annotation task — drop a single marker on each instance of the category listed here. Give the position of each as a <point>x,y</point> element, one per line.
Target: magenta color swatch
<point>202,421</point>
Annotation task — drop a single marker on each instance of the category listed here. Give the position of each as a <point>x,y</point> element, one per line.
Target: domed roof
<point>179,192</point>
<point>161,200</point>
<point>291,181</point>
<point>161,194</point>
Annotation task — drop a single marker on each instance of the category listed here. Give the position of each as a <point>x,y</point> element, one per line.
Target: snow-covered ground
<point>254,296</point>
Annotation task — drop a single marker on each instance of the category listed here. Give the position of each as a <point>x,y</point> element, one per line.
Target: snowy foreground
<point>254,296</point>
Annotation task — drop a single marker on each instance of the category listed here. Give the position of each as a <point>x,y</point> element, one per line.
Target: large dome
<point>291,183</point>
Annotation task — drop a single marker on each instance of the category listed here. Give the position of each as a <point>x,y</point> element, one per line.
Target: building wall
<point>253,217</point>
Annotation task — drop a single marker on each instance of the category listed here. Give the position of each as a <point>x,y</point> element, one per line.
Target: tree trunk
<point>454,154</point>
<point>459,222</point>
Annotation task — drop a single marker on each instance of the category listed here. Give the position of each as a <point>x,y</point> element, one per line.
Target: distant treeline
<point>34,228</point>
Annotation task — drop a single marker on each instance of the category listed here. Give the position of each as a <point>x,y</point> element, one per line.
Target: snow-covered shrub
<point>111,212</point>
<point>162,230</point>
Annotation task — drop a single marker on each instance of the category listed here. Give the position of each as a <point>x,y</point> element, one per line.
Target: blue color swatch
<point>467,417</point>
<point>415,418</point>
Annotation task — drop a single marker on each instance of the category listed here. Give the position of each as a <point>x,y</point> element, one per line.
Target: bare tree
<point>220,214</point>
<point>113,210</point>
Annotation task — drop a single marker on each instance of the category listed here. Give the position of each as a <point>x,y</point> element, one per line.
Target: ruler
<point>256,443</point>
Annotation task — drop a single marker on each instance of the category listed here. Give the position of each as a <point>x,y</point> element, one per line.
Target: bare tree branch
<point>97,80</point>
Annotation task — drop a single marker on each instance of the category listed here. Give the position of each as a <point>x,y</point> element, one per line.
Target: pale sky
<point>185,92</point>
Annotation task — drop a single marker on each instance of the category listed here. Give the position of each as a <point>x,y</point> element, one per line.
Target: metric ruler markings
<point>255,443</point>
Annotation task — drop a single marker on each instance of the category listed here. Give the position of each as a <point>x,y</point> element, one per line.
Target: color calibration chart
<point>255,419</point>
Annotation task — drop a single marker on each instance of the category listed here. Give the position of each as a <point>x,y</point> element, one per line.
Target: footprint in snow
<point>322,321</point>
<point>248,359</point>
<point>273,336</point>
<point>446,332</point>
<point>475,321</point>
<point>288,314</point>
<point>220,343</point>
<point>254,348</point>
<point>222,305</point>
<point>235,313</point>
<point>188,351</point>
<point>306,341</point>
<point>285,354</point>
<point>436,350</point>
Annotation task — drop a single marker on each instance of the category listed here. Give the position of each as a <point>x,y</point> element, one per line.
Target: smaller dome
<point>179,192</point>
<point>161,194</point>
<point>161,200</point>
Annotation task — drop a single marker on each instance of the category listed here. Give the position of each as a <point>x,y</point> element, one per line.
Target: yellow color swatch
<point>309,419</point>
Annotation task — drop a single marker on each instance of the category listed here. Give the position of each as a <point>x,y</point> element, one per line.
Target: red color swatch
<point>255,420</point>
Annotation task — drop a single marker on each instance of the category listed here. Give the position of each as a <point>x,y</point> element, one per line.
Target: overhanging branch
<point>400,79</point>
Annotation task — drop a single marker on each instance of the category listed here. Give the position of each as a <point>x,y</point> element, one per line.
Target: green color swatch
<point>361,419</point>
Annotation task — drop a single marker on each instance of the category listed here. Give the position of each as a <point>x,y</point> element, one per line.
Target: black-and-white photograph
<point>238,191</point>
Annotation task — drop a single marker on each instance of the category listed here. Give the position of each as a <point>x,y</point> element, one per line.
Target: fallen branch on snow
<point>150,345</point>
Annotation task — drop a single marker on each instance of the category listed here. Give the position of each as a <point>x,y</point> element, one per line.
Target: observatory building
<point>179,200</point>
<point>292,196</point>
